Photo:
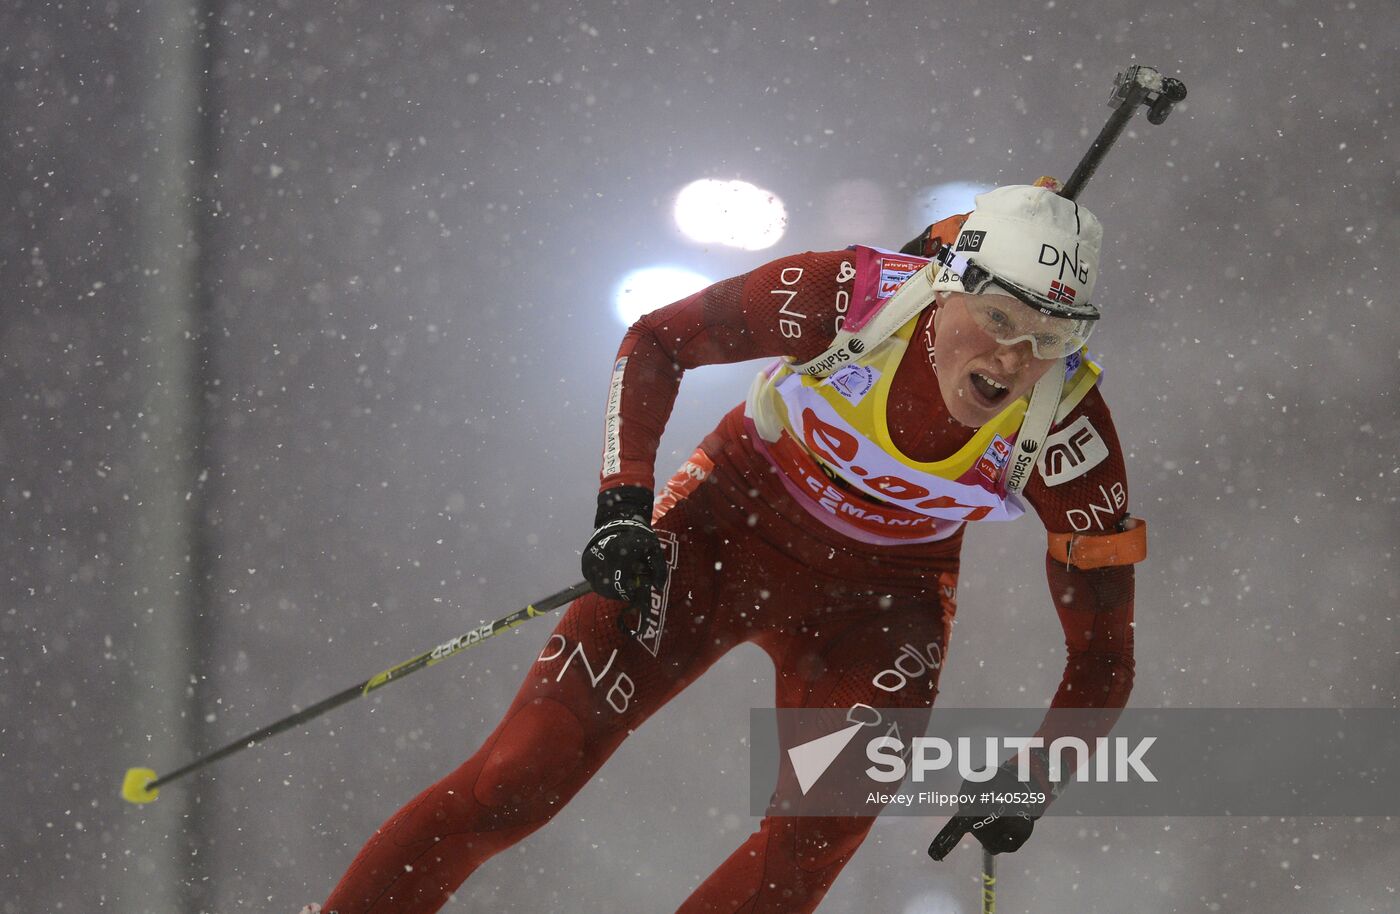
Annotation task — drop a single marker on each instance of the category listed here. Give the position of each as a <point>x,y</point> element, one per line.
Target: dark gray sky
<point>403,228</point>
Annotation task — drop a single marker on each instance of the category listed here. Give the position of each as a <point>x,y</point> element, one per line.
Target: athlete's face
<point>978,376</point>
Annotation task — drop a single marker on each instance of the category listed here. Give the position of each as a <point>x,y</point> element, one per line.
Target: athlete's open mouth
<point>992,392</point>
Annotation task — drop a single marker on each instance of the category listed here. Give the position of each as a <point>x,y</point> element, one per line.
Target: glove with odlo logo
<point>623,559</point>
<point>1001,823</point>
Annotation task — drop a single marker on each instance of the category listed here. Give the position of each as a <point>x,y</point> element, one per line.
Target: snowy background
<point>303,369</point>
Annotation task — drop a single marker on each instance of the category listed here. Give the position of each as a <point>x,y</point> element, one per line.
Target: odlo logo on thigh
<point>654,620</point>
<point>910,664</point>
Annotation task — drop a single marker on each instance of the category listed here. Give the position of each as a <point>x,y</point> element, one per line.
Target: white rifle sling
<point>1040,415</point>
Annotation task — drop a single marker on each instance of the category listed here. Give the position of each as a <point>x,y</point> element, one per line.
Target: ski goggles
<point>1010,321</point>
<point>1054,329</point>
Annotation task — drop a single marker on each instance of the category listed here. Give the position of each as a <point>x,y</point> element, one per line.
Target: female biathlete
<point>821,520</point>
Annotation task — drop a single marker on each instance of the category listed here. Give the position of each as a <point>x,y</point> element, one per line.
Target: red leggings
<point>833,614</point>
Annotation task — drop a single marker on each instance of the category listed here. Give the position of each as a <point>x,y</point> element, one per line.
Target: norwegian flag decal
<point>1060,292</point>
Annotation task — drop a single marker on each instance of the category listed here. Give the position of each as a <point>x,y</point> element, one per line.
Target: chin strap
<point>1040,415</point>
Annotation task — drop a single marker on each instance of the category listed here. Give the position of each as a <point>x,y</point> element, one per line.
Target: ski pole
<point>141,785</point>
<point>989,883</point>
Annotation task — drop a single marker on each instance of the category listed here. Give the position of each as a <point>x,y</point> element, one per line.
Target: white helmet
<point>1032,244</point>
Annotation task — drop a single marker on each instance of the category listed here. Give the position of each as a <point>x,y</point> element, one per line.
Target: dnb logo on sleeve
<point>1071,452</point>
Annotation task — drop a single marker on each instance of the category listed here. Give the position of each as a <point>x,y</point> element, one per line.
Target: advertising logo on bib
<point>893,273</point>
<point>993,459</point>
<point>853,382</point>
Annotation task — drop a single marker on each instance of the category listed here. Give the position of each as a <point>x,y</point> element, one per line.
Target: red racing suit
<point>749,564</point>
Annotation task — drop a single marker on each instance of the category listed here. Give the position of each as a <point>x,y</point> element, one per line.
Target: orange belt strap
<point>1103,549</point>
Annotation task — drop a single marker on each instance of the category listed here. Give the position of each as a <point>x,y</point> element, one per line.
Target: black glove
<point>623,559</point>
<point>1002,823</point>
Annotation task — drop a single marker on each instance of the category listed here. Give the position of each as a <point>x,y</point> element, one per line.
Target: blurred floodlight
<point>651,287</point>
<point>733,213</point>
<point>931,204</point>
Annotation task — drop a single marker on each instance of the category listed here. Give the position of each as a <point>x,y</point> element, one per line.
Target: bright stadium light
<point>651,287</point>
<point>733,213</point>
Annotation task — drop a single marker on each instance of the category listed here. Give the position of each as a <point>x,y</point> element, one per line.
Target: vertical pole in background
<point>167,564</point>
<point>989,883</point>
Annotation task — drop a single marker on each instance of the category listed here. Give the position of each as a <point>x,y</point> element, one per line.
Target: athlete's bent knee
<point>538,749</point>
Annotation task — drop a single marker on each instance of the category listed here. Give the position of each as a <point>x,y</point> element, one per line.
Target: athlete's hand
<point>623,559</point>
<point>999,826</point>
